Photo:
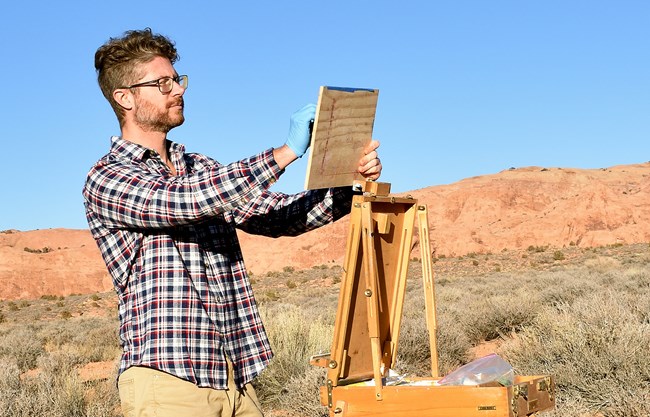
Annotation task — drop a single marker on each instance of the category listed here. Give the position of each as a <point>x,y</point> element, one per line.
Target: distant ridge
<point>513,209</point>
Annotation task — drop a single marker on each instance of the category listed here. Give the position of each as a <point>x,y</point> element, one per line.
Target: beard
<point>151,119</point>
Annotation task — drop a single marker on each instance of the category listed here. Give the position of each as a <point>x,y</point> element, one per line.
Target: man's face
<point>154,111</point>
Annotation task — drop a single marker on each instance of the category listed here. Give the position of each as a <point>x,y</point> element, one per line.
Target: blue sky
<point>466,87</point>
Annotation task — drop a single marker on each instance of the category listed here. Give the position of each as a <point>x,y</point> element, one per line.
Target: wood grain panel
<point>342,128</point>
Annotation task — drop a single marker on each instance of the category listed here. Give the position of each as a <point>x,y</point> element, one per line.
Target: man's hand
<point>299,134</point>
<point>369,164</point>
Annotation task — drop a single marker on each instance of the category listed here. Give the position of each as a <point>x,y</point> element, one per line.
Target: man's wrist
<point>284,156</point>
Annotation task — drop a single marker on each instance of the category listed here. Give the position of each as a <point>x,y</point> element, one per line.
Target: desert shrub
<point>636,278</point>
<point>586,324</point>
<point>10,386</point>
<point>98,340</point>
<point>499,315</point>
<point>93,340</point>
<point>49,297</point>
<point>490,306</point>
<point>414,352</point>
<point>43,250</point>
<point>302,398</point>
<point>316,304</point>
<point>453,345</point>
<point>563,287</point>
<point>57,334</point>
<point>22,345</point>
<point>598,349</point>
<point>295,337</point>
<point>602,264</point>
<point>39,369</point>
<point>54,391</point>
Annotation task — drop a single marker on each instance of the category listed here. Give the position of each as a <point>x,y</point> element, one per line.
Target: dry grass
<point>583,317</point>
<point>39,368</point>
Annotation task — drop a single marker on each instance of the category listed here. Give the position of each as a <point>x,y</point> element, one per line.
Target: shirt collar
<point>132,151</point>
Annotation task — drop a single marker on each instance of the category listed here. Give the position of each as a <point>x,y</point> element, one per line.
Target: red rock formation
<point>513,209</point>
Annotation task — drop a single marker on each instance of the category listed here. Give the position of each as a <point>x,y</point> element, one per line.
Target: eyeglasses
<point>164,84</point>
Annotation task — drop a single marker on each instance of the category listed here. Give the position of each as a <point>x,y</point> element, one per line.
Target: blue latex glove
<point>299,134</point>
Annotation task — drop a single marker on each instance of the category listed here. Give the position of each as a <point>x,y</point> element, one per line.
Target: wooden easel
<point>366,330</point>
<point>367,325</point>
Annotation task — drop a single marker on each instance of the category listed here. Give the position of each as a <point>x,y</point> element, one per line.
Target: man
<point>165,222</point>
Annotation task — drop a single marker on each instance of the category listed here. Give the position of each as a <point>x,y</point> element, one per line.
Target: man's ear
<point>124,98</point>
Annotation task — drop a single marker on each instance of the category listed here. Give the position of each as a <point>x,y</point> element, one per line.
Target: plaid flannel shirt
<point>171,248</point>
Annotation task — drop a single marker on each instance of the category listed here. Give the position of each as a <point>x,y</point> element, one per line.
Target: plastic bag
<point>393,378</point>
<point>490,368</point>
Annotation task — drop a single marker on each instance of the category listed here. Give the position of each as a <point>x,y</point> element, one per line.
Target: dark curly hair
<point>119,60</point>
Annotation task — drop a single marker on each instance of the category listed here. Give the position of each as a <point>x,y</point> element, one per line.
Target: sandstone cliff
<point>513,209</point>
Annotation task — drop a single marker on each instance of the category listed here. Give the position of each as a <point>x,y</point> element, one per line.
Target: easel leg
<point>372,293</point>
<point>429,291</point>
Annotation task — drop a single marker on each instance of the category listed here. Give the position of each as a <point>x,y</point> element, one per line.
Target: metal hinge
<point>329,393</point>
<point>518,391</point>
<point>546,385</point>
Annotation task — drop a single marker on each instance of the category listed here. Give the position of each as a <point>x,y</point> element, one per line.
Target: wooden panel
<point>342,129</point>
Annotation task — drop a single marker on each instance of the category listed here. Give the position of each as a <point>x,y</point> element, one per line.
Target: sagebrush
<point>586,322</point>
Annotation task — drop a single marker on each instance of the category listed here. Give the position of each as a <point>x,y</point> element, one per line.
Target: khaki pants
<point>146,392</point>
